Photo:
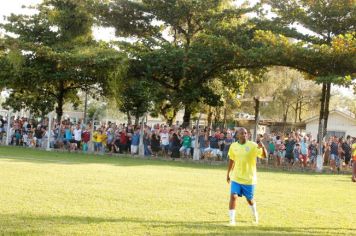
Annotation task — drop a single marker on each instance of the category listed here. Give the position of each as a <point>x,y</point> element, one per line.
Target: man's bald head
<point>242,135</point>
<point>241,130</point>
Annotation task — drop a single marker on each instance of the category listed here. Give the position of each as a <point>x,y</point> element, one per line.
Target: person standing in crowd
<point>135,142</point>
<point>346,147</point>
<point>326,153</point>
<point>272,154</point>
<point>213,148</point>
<point>110,140</point>
<point>147,141</point>
<point>38,136</point>
<point>123,141</point>
<point>334,154</point>
<point>175,146</point>
<point>97,141</point>
<point>353,150</point>
<point>155,144</point>
<point>241,173</point>
<point>68,136</point>
<point>202,143</point>
<point>77,133</point>
<point>304,151</point>
<point>86,139</point>
<point>164,141</point>
<point>289,145</point>
<point>313,154</point>
<point>280,149</point>
<point>227,143</point>
<point>297,155</point>
<point>186,144</point>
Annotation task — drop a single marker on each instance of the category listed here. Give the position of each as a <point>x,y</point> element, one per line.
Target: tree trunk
<point>225,117</point>
<point>322,110</point>
<point>326,107</point>
<point>210,116</point>
<point>300,111</point>
<point>186,117</point>
<point>285,115</point>
<point>129,118</point>
<point>170,120</point>
<point>296,111</point>
<point>217,115</point>
<point>137,120</point>
<point>85,107</point>
<point>257,117</point>
<point>60,102</point>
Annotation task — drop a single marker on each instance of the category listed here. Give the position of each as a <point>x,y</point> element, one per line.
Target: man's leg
<point>253,209</point>
<point>232,207</point>
<point>248,192</point>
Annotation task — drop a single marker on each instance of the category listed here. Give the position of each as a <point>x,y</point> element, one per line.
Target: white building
<point>340,124</point>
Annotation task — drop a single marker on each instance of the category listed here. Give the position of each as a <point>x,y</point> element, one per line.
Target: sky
<point>107,34</point>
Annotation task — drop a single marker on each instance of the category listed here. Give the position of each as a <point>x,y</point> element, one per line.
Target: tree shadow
<point>35,223</point>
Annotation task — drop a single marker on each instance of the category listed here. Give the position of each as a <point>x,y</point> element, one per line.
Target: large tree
<point>57,57</point>
<point>325,48</point>
<point>187,44</point>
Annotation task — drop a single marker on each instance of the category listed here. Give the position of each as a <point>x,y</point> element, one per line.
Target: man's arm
<point>229,168</point>
<point>264,151</point>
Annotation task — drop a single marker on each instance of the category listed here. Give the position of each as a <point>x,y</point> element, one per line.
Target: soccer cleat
<point>232,223</point>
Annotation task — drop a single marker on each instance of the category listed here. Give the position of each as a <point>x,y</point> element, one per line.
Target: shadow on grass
<point>66,158</point>
<point>36,224</point>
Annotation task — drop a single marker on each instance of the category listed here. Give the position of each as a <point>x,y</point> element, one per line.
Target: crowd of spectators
<point>291,150</point>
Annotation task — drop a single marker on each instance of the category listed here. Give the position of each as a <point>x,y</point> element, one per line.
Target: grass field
<point>50,193</point>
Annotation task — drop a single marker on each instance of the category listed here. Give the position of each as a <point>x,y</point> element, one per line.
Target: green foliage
<point>326,50</point>
<point>57,57</point>
<point>199,48</point>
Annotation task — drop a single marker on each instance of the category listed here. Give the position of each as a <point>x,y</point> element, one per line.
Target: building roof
<point>347,115</point>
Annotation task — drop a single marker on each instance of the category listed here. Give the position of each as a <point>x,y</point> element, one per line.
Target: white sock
<point>232,215</point>
<point>254,211</point>
<point>253,208</point>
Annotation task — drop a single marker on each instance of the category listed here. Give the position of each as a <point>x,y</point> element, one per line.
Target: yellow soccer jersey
<point>244,156</point>
<point>95,136</point>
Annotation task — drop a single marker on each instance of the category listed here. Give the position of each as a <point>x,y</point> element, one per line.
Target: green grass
<point>51,193</point>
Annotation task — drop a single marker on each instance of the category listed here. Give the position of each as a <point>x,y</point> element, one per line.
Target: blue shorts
<point>242,190</point>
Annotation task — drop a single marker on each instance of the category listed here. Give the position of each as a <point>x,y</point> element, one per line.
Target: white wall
<point>336,122</point>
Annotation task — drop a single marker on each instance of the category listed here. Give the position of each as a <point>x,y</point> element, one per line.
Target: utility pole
<point>257,115</point>
<point>49,132</point>
<point>8,130</point>
<point>196,153</point>
<point>141,147</point>
<point>85,107</point>
<point>319,161</point>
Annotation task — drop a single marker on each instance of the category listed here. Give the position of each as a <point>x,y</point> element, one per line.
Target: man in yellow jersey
<point>241,173</point>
